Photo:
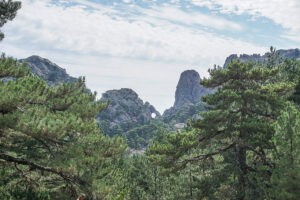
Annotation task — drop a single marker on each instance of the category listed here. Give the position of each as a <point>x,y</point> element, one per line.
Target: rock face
<point>257,58</point>
<point>126,114</point>
<point>188,89</point>
<point>125,111</point>
<point>187,99</point>
<point>137,121</point>
<point>47,70</point>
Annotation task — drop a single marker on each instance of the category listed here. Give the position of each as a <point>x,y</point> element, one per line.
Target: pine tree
<point>8,11</point>
<point>50,144</point>
<point>234,137</point>
<point>286,176</point>
<point>247,101</point>
<point>50,140</point>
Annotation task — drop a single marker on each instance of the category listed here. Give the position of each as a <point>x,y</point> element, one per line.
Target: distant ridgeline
<point>138,122</point>
<point>50,72</point>
<point>257,58</point>
<point>126,115</point>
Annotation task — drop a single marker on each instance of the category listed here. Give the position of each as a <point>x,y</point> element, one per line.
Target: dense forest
<point>245,146</point>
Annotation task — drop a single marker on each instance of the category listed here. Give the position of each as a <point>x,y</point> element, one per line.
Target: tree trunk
<point>241,155</point>
<point>191,188</point>
<point>155,183</point>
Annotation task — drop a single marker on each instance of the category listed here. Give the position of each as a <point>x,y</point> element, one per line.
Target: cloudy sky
<point>146,44</point>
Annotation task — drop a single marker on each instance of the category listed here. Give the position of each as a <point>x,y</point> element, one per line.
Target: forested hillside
<point>240,139</point>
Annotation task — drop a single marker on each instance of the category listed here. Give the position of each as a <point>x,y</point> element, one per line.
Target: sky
<point>146,44</point>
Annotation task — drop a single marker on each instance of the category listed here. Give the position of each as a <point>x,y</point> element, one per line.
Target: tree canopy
<point>8,11</point>
<point>236,133</point>
<point>41,126</point>
<point>246,146</point>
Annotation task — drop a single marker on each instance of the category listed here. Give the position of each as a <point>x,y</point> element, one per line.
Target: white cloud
<point>192,18</point>
<point>99,32</point>
<point>283,12</point>
<point>127,1</point>
<point>204,3</point>
<point>146,52</point>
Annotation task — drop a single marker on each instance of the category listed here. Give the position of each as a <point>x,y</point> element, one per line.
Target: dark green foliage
<point>286,176</point>
<point>137,135</point>
<point>142,179</point>
<point>246,147</point>
<point>8,11</point>
<point>184,113</point>
<point>235,136</point>
<point>295,97</point>
<point>145,180</point>
<point>141,136</point>
<point>290,70</point>
<point>50,140</point>
<point>272,58</point>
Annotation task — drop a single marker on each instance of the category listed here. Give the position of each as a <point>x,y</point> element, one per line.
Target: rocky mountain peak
<point>47,70</point>
<point>126,94</point>
<point>125,110</point>
<point>257,58</point>
<point>187,98</point>
<point>188,89</point>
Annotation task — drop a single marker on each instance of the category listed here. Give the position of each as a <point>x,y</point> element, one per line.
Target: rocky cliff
<point>188,89</point>
<point>187,99</point>
<point>126,114</point>
<point>137,121</point>
<point>129,116</point>
<point>47,70</point>
<point>125,110</point>
<point>257,58</point>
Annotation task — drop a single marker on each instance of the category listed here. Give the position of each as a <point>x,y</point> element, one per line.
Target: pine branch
<point>205,156</point>
<point>34,166</point>
<point>261,154</point>
<point>210,136</point>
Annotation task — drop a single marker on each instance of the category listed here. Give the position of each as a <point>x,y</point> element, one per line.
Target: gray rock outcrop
<point>50,72</point>
<point>125,111</point>
<point>188,102</point>
<point>257,58</point>
<point>188,89</point>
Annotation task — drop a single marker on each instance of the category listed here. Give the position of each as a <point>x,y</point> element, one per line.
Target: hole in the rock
<point>153,115</point>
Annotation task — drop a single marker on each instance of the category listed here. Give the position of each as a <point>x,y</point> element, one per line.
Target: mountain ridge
<point>257,58</point>
<point>47,70</point>
<point>137,121</point>
<point>125,110</point>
